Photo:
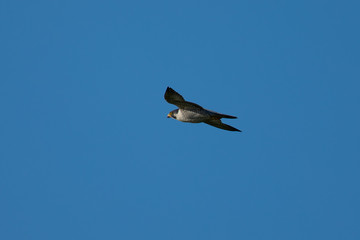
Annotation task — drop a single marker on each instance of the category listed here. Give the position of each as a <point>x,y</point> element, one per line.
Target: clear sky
<point>86,150</point>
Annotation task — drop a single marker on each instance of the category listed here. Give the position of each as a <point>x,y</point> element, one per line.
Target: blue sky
<point>88,153</point>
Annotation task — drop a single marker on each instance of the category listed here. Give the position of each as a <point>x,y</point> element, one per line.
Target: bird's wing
<point>172,97</point>
<point>217,123</point>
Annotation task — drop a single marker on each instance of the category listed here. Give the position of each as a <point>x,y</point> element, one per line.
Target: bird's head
<point>173,114</point>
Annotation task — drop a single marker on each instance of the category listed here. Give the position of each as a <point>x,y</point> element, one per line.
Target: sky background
<point>86,150</point>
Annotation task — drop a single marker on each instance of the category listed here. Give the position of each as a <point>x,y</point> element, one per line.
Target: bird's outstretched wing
<point>172,97</point>
<point>217,123</point>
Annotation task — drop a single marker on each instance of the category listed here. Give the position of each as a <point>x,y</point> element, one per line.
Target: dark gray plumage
<point>194,113</point>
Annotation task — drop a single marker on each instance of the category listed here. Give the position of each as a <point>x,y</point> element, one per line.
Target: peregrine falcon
<point>193,113</point>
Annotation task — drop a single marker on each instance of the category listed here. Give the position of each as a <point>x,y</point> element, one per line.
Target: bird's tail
<point>225,116</point>
<point>220,115</point>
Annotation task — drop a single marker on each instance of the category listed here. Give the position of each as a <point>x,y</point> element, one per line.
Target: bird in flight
<point>193,113</point>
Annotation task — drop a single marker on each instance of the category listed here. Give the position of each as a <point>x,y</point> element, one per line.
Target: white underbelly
<point>190,116</point>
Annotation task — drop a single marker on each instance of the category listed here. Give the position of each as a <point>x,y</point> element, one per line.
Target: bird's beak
<point>169,115</point>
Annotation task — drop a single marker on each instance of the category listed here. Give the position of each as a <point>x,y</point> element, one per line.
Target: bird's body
<point>194,113</point>
<point>192,116</point>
